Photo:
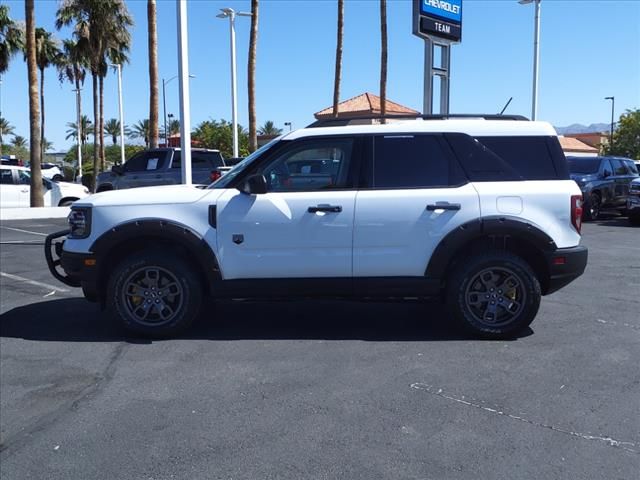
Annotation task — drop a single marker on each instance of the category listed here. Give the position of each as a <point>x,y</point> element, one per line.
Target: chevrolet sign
<point>439,19</point>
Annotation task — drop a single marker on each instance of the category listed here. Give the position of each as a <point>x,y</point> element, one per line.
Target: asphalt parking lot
<point>320,389</point>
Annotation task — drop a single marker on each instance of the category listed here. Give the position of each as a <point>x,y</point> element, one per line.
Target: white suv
<point>479,212</point>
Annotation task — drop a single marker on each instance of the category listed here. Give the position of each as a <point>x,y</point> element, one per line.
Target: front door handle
<point>443,206</point>
<point>325,208</point>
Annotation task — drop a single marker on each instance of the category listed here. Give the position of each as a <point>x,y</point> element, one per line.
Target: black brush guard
<point>53,254</point>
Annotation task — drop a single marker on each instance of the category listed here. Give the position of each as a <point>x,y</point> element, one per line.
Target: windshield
<point>583,165</point>
<point>227,178</point>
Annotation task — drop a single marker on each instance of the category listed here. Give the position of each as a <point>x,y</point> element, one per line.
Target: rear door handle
<point>325,208</point>
<point>443,206</point>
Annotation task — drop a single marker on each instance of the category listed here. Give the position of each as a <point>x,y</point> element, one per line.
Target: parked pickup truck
<point>162,166</point>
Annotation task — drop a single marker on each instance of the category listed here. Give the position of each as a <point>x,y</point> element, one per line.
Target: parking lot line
<point>32,282</point>
<point>24,231</point>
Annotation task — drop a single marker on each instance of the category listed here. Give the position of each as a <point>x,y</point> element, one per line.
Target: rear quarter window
<point>533,157</point>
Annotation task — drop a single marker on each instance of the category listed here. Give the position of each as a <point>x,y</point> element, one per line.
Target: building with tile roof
<point>574,147</point>
<point>362,105</point>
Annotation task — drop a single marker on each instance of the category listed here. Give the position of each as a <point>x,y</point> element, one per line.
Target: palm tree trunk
<point>96,123</point>
<point>253,46</point>
<point>101,80</point>
<point>153,73</point>
<point>36,197</point>
<point>42,145</point>
<point>383,59</point>
<point>336,83</point>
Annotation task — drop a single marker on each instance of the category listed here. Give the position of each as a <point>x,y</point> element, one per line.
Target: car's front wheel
<point>494,295</point>
<point>155,295</point>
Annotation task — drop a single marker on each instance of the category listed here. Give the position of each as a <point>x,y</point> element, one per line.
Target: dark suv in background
<point>161,166</point>
<point>604,182</point>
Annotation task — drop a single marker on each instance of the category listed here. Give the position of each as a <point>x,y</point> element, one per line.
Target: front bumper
<point>73,269</point>
<point>564,266</point>
<point>633,205</point>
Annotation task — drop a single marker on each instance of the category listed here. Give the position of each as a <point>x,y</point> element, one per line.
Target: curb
<point>33,213</point>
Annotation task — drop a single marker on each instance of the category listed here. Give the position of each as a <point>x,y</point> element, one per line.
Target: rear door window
<point>411,161</point>
<point>528,155</point>
<point>618,167</point>
<point>6,176</point>
<point>146,161</point>
<point>201,160</point>
<point>631,166</point>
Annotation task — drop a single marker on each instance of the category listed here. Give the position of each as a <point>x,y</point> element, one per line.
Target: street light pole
<point>230,13</point>
<point>613,103</point>
<point>120,108</point>
<point>79,131</point>
<point>183,73</point>
<point>536,55</point>
<point>164,105</point>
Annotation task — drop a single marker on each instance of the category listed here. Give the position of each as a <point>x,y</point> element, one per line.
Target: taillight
<point>576,212</point>
<point>215,175</point>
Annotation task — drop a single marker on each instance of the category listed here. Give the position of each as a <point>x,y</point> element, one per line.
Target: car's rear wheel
<point>494,295</point>
<point>592,212</point>
<point>155,295</point>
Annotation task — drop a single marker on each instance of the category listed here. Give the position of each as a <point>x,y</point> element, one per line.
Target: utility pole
<point>79,131</point>
<point>183,75</point>
<point>613,106</point>
<point>119,67</point>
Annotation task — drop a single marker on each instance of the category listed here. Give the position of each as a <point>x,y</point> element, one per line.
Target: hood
<point>166,194</point>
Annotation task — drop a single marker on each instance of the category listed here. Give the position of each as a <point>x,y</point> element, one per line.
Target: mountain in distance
<point>579,128</point>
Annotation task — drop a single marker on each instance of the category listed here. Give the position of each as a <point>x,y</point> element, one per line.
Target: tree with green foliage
<point>19,142</point>
<point>86,129</point>
<point>626,137</point>
<point>141,130</point>
<point>11,42</point>
<point>5,128</point>
<point>72,67</point>
<point>269,128</point>
<point>219,135</point>
<point>112,128</point>
<point>11,38</point>
<point>48,53</point>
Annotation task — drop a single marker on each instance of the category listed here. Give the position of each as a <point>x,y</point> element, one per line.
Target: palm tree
<point>11,42</point>
<point>5,129</point>
<point>18,142</point>
<point>11,38</point>
<point>102,27</point>
<point>46,145</point>
<point>47,53</point>
<point>141,130</point>
<point>336,82</point>
<point>251,80</point>
<point>112,128</point>
<point>383,59</point>
<point>37,199</point>
<point>173,127</point>
<point>86,129</point>
<point>73,68</point>
<point>153,73</point>
<point>269,128</point>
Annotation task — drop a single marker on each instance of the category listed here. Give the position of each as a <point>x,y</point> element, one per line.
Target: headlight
<point>634,188</point>
<point>80,222</point>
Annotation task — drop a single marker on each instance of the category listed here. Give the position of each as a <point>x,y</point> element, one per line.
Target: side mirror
<point>254,185</point>
<point>117,169</point>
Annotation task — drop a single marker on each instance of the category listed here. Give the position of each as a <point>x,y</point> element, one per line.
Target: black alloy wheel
<point>494,295</point>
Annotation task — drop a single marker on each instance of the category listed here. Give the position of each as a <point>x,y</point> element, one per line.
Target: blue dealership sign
<point>450,10</point>
<point>438,19</point>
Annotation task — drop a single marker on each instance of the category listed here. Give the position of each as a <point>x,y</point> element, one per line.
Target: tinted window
<point>310,165</point>
<point>583,165</point>
<point>23,177</point>
<point>198,159</point>
<point>6,177</point>
<point>529,156</point>
<point>631,167</point>
<point>145,161</point>
<point>607,169</point>
<point>618,167</point>
<point>409,161</point>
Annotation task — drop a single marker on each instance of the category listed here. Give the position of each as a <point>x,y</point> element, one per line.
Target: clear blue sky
<point>589,50</point>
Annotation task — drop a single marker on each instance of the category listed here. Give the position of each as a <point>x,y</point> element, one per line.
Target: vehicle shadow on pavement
<point>75,320</point>
<point>613,221</point>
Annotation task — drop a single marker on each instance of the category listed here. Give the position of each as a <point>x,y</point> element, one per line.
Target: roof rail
<point>343,121</point>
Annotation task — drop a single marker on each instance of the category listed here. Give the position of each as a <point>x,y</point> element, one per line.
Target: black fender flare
<point>498,226</point>
<point>150,228</point>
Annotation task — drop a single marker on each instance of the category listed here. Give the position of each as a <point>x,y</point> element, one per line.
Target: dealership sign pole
<point>439,23</point>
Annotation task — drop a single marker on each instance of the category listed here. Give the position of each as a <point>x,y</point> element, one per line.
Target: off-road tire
<point>469,295</point>
<point>177,294</point>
